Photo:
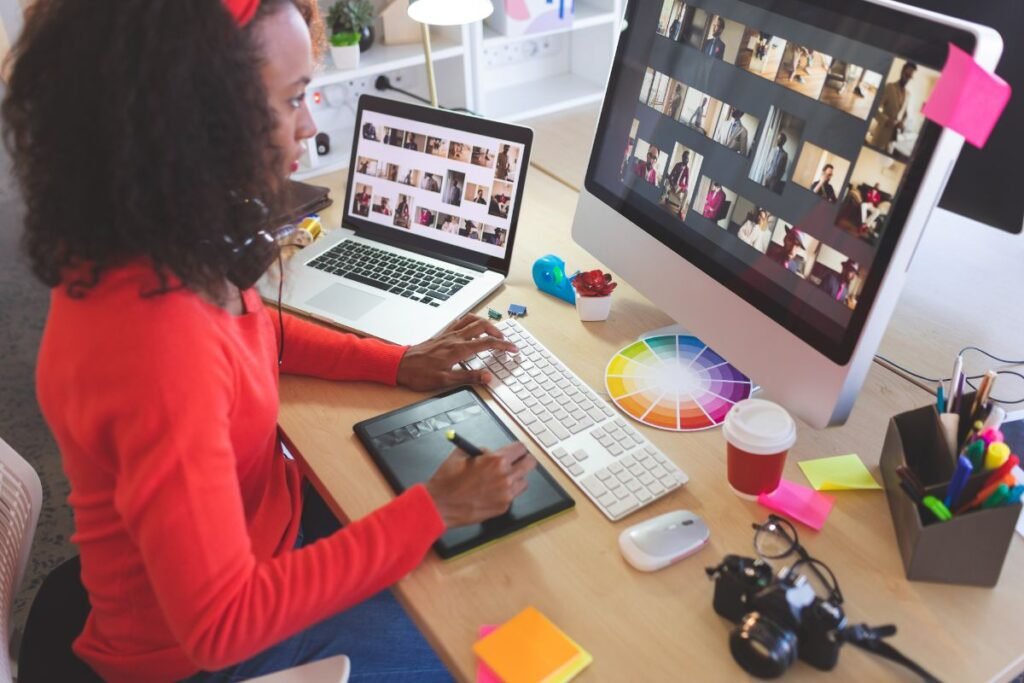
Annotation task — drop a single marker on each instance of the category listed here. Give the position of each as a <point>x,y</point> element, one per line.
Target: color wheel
<point>675,383</point>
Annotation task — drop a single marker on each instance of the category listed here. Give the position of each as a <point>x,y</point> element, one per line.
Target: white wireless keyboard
<point>615,466</point>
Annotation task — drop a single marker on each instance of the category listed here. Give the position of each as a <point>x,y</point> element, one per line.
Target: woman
<point>140,131</point>
<point>755,230</point>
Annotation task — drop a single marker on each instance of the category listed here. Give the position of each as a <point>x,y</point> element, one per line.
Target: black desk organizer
<point>968,549</point>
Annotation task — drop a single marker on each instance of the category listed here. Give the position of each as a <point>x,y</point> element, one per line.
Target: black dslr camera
<point>780,619</point>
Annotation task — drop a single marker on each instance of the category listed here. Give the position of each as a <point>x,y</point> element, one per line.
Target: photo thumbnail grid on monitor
<point>791,144</point>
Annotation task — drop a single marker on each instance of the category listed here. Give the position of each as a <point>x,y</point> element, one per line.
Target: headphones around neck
<point>253,257</point>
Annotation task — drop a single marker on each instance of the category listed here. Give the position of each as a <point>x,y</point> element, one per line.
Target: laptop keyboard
<point>391,272</point>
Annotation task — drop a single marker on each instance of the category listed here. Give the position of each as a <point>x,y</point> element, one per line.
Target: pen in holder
<point>968,549</point>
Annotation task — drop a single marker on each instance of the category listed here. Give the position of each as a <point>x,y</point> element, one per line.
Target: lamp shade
<point>449,12</point>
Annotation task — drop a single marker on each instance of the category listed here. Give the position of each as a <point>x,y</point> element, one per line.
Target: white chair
<point>21,496</point>
<point>330,670</point>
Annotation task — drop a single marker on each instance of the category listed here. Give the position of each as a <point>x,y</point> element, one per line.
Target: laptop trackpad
<point>345,302</point>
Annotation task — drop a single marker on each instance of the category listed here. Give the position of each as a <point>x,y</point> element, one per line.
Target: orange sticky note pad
<point>528,648</point>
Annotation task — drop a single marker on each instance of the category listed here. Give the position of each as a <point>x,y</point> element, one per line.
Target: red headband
<point>242,10</point>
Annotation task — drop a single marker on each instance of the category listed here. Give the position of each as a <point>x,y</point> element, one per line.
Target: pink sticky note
<point>799,502</point>
<point>483,672</point>
<point>967,98</point>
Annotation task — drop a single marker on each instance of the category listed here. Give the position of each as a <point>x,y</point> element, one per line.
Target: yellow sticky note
<point>838,473</point>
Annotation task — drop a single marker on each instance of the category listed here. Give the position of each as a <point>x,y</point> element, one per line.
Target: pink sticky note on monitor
<point>483,672</point>
<point>967,98</point>
<point>799,502</point>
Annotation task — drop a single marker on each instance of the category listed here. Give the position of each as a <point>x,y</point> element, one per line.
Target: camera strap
<point>870,638</point>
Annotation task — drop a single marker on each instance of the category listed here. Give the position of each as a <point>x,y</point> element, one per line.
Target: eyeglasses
<point>776,539</point>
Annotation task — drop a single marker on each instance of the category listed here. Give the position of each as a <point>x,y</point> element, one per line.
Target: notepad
<point>528,648</point>
<point>838,473</point>
<point>799,502</point>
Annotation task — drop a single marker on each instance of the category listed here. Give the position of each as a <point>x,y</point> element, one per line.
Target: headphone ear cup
<point>253,259</point>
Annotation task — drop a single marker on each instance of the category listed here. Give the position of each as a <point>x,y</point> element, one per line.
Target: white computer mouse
<point>663,540</point>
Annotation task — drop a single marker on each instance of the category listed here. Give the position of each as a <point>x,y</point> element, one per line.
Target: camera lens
<point>762,647</point>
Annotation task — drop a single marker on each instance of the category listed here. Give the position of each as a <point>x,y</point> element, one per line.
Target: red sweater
<point>186,513</point>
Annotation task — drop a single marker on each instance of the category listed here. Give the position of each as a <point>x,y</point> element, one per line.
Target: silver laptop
<point>428,226</point>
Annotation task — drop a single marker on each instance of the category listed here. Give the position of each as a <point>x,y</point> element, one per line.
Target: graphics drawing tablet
<point>409,444</point>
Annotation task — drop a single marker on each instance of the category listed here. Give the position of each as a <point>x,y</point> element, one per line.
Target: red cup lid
<point>759,427</point>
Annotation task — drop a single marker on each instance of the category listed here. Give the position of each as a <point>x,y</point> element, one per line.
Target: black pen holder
<point>968,549</point>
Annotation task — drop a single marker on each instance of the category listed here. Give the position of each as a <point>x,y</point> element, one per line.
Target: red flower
<point>594,283</point>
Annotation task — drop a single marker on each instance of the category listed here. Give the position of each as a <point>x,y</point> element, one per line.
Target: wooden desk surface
<point>661,626</point>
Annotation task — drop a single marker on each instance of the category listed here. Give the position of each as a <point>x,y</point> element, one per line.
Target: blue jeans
<point>377,635</point>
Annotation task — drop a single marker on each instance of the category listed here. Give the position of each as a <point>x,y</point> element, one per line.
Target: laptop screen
<point>440,183</point>
<point>776,145</point>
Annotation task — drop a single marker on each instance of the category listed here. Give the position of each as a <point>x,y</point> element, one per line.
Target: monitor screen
<point>777,146</point>
<point>442,184</point>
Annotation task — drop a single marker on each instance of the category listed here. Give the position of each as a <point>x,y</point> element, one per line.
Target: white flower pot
<point>345,57</point>
<point>593,308</point>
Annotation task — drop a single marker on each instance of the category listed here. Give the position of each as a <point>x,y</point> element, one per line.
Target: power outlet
<point>519,51</point>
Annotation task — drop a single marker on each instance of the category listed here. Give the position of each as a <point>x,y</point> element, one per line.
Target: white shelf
<point>585,16</point>
<point>541,97</point>
<point>382,58</point>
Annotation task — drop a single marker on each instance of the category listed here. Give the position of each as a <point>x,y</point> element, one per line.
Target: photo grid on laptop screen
<point>440,183</point>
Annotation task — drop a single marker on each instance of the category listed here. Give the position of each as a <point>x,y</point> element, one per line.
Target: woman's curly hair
<point>136,129</point>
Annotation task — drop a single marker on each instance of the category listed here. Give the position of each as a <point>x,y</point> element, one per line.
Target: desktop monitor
<point>763,173</point>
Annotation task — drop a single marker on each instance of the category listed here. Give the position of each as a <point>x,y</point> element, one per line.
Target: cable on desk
<point>893,365</point>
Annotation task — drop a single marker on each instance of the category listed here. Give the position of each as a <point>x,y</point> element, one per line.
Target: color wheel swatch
<point>674,382</point>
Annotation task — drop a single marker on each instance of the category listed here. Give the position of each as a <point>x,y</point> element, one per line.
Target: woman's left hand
<point>430,365</point>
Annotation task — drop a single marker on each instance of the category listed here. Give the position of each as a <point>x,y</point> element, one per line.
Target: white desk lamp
<point>445,13</point>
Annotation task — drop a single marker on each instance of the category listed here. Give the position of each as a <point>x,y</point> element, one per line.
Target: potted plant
<point>345,50</point>
<point>594,295</point>
<point>353,16</point>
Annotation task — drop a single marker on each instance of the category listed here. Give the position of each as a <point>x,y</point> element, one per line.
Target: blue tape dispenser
<point>550,277</point>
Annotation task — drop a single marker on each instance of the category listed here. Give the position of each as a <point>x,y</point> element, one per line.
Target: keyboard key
<point>557,429</point>
<point>365,281</point>
<point>547,438</point>
<point>607,498</point>
<point>578,427</point>
<point>614,449</point>
<point>593,485</point>
<point>576,470</point>
<point>623,506</point>
<point>505,395</point>
<point>595,414</point>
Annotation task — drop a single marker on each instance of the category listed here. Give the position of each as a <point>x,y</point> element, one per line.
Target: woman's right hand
<point>469,490</point>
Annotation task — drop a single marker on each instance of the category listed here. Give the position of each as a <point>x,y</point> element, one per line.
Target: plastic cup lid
<point>759,427</point>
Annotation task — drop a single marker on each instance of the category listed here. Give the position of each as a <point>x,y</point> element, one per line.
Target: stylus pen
<point>468,448</point>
